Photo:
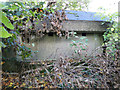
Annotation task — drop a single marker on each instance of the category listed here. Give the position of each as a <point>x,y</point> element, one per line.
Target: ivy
<point>111,36</point>
<point>4,33</point>
<point>5,20</point>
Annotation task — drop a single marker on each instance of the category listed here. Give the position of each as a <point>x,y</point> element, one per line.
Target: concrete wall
<point>52,47</point>
<point>72,25</point>
<point>84,26</point>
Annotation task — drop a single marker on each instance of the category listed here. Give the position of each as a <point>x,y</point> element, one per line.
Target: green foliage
<point>73,4</point>
<point>2,45</point>
<point>12,7</point>
<point>22,12</point>
<point>6,21</point>
<point>111,36</point>
<point>80,43</point>
<point>12,41</point>
<point>4,33</point>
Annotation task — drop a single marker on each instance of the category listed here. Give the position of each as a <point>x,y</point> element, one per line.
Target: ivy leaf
<point>112,29</point>
<point>5,21</point>
<point>3,6</point>
<point>116,39</point>
<point>41,3</point>
<point>39,17</point>
<point>13,7</point>
<point>20,4</point>
<point>73,41</point>
<point>82,37</point>
<point>75,51</point>
<point>71,45</point>
<point>4,33</point>
<point>2,45</point>
<point>33,44</point>
<point>32,13</point>
<point>36,22</point>
<point>75,33</point>
<point>86,40</point>
<point>76,37</point>
<point>83,49</point>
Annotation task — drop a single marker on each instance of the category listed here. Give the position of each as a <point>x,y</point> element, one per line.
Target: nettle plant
<point>80,44</point>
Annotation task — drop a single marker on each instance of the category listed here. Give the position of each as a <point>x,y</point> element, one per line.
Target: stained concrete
<point>52,47</point>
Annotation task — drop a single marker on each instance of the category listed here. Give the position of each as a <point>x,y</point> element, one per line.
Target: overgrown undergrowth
<point>101,71</point>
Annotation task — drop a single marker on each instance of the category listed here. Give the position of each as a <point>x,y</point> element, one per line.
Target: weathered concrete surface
<point>52,47</point>
<point>84,26</point>
<point>72,25</point>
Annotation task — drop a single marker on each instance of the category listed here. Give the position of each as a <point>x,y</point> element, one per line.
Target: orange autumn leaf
<point>2,63</point>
